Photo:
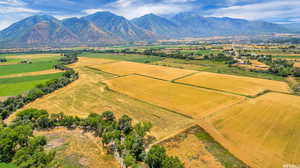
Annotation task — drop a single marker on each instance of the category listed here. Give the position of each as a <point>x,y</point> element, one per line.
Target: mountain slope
<point>104,28</point>
<point>118,26</point>
<point>38,30</point>
<point>193,25</point>
<point>159,25</point>
<point>87,31</point>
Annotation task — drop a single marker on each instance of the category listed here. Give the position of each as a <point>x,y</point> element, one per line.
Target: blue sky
<point>278,11</point>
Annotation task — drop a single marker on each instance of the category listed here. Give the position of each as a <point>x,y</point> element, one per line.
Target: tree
<point>142,128</point>
<point>135,145</point>
<point>129,161</point>
<point>172,162</point>
<point>156,156</point>
<point>33,154</point>
<point>125,124</point>
<point>108,116</point>
<point>34,94</point>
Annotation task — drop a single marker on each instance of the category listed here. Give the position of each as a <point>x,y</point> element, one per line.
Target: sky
<point>276,11</point>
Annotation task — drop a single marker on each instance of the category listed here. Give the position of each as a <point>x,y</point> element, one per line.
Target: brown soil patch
<point>80,144</point>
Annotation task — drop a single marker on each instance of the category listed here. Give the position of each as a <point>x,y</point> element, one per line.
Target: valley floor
<point>249,127</point>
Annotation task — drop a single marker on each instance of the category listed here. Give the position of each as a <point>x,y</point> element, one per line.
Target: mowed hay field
<point>75,149</point>
<point>89,95</point>
<point>160,72</point>
<point>190,101</point>
<point>263,131</point>
<point>234,84</point>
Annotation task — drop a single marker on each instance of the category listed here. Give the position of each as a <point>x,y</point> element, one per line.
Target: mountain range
<point>108,28</point>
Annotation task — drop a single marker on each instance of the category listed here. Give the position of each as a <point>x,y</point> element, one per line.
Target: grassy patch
<point>19,85</point>
<point>22,68</point>
<point>222,155</point>
<point>5,165</point>
<point>287,57</point>
<point>123,57</point>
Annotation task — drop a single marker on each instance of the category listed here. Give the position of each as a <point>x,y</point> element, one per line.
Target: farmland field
<point>18,85</point>
<point>238,124</point>
<point>263,131</point>
<point>234,84</point>
<point>39,64</point>
<point>194,102</point>
<point>215,67</point>
<point>160,72</point>
<point>89,95</point>
<point>17,78</point>
<point>122,57</point>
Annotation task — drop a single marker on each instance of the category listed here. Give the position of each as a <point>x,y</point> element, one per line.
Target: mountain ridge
<point>108,28</point>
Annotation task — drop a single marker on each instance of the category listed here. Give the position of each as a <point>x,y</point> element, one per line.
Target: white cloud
<point>261,11</point>
<point>12,11</point>
<point>136,8</point>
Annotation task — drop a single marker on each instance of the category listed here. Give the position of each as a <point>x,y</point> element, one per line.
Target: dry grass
<point>234,84</point>
<point>192,152</point>
<point>187,100</point>
<point>255,65</point>
<point>160,72</point>
<point>77,149</point>
<point>89,95</point>
<point>264,131</point>
<point>297,64</point>
<point>51,71</point>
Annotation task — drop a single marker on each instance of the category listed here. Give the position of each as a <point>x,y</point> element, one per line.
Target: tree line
<point>119,136</point>
<point>13,103</point>
<point>3,60</point>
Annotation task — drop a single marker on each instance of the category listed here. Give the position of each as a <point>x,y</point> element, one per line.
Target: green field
<point>19,85</point>
<point>200,51</point>
<point>123,57</point>
<point>37,65</point>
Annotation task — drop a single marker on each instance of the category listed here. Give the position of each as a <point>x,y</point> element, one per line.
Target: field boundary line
<point>212,89</point>
<point>95,69</point>
<point>185,76</point>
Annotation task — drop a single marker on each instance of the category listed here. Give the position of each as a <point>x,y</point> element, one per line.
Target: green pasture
<point>19,85</point>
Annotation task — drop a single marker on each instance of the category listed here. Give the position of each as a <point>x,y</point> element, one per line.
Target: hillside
<point>104,28</point>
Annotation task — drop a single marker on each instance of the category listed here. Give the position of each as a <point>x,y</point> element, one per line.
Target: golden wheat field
<point>234,84</point>
<point>160,72</point>
<point>89,95</point>
<point>263,131</point>
<point>191,101</point>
